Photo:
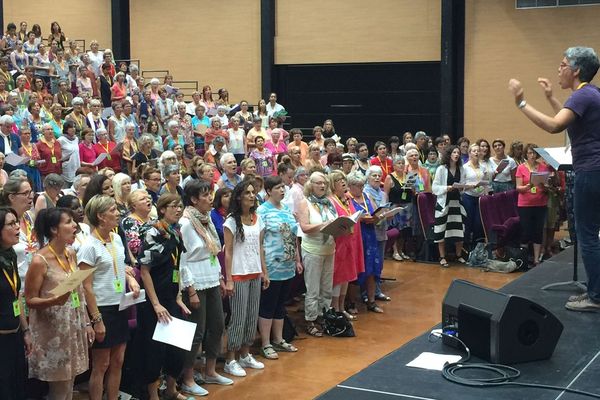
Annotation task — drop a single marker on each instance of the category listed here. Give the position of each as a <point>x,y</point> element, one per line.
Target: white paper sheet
<point>99,159</point>
<point>127,299</point>
<point>15,159</point>
<point>432,361</point>
<point>178,333</point>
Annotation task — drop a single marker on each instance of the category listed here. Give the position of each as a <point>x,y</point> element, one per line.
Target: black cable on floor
<point>500,375</point>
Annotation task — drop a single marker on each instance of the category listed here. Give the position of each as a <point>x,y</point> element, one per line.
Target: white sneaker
<point>396,256</point>
<point>219,380</point>
<point>233,368</point>
<point>250,362</point>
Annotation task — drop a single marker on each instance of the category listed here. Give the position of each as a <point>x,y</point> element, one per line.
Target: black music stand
<point>560,159</point>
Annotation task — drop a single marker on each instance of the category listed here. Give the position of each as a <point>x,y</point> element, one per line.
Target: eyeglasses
<point>26,193</point>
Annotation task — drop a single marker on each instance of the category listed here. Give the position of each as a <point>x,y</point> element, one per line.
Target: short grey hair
<point>6,120</point>
<point>77,181</point>
<point>54,181</point>
<point>355,178</point>
<point>169,169</point>
<point>154,81</point>
<point>585,60</point>
<point>130,125</point>
<point>225,156</point>
<point>146,138</point>
<point>95,102</point>
<point>172,123</point>
<point>77,101</point>
<point>373,169</point>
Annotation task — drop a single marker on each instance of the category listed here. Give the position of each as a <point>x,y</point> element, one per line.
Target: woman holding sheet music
<point>318,249</point>
<point>104,251</point>
<point>503,177</point>
<point>477,175</point>
<point>60,327</point>
<point>532,201</point>
<point>349,260</point>
<point>160,260</point>
<point>449,211</point>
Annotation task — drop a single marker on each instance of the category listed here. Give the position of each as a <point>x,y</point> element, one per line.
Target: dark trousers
<point>532,220</point>
<point>473,227</point>
<point>157,356</point>
<point>273,298</point>
<point>12,367</point>
<point>587,226</point>
<point>210,324</point>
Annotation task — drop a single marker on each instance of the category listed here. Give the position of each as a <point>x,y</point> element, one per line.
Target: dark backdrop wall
<point>371,101</point>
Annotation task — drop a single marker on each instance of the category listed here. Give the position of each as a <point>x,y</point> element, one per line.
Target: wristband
<point>522,104</point>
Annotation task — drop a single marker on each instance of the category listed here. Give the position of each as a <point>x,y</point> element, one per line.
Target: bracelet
<point>96,319</point>
<point>522,104</point>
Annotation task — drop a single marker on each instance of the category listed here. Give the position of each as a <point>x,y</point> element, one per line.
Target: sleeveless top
<point>396,192</point>
<point>318,243</point>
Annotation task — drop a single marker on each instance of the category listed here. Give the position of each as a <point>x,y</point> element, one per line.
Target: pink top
<point>348,261</point>
<point>280,148</point>
<point>86,154</point>
<point>530,199</point>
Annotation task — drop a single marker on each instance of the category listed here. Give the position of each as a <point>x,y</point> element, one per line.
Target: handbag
<point>336,324</point>
<point>518,254</point>
<point>478,257</point>
<point>504,267</point>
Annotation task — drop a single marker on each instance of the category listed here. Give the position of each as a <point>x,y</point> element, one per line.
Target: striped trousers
<point>244,313</point>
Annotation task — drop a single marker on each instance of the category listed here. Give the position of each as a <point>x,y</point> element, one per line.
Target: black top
<point>161,252</point>
<point>105,91</point>
<point>8,321</point>
<point>396,192</point>
<point>452,179</point>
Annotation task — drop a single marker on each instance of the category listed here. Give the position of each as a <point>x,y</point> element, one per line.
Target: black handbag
<point>336,324</point>
<point>516,254</point>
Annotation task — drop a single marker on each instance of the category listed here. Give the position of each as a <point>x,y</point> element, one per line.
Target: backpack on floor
<point>289,329</point>
<point>478,257</point>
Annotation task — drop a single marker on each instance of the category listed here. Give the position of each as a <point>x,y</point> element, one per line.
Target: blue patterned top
<point>279,241</point>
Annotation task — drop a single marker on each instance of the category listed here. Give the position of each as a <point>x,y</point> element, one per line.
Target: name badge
<point>75,303</point>
<point>53,160</point>
<point>118,286</point>
<point>421,187</point>
<point>175,276</point>
<point>108,157</point>
<point>213,260</point>
<point>16,308</point>
<point>533,190</point>
<point>403,197</point>
<point>265,163</point>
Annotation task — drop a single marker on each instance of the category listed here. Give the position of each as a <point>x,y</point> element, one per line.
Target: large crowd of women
<point>216,212</point>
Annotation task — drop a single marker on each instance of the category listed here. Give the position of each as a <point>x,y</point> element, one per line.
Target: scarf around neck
<point>205,228</point>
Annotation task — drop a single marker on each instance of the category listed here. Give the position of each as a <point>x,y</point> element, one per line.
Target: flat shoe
<point>285,346</point>
<point>382,297</point>
<point>349,316</point>
<point>373,307</point>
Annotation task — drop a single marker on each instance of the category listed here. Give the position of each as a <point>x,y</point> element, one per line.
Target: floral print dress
<point>60,348</point>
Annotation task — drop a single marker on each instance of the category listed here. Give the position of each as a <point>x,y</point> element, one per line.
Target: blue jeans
<point>587,226</point>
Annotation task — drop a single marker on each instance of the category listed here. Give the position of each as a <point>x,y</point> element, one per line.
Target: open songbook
<point>341,225</point>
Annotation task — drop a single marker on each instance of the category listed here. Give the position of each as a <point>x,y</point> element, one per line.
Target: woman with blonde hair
<point>122,186</point>
<point>104,251</point>
<point>318,249</point>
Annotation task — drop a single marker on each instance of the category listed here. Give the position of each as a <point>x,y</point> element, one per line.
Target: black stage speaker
<point>498,327</point>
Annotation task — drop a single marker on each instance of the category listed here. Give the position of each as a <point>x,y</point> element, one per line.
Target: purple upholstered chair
<point>426,221</point>
<point>499,218</point>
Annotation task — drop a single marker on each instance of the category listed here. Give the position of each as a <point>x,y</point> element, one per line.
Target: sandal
<point>352,308</point>
<point>313,330</point>
<point>269,353</point>
<point>443,262</point>
<point>373,307</point>
<point>382,297</point>
<point>349,316</point>
<point>461,260</point>
<point>285,346</point>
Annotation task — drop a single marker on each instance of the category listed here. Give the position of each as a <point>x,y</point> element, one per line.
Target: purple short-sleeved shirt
<point>584,131</point>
